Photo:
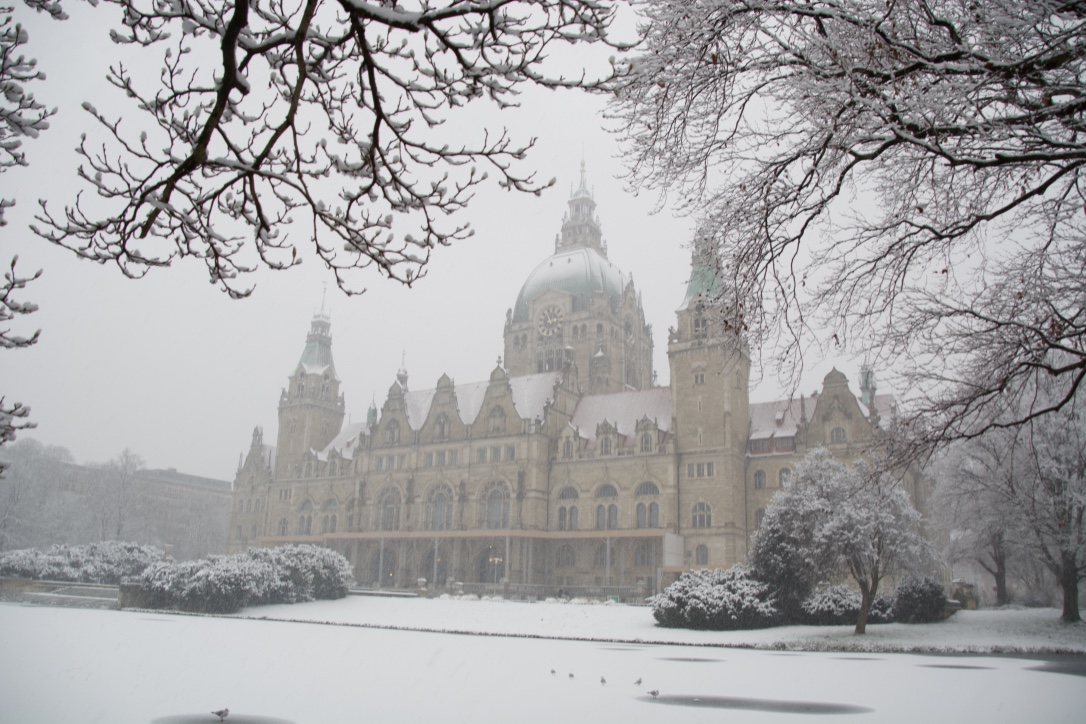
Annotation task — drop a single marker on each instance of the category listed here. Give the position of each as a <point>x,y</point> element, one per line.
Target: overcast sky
<point>172,368</point>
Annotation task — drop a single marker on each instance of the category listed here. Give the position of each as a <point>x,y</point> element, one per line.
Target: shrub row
<point>260,576</point>
<point>733,599</point>
<point>107,562</point>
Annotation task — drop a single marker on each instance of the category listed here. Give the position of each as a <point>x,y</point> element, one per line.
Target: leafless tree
<point>1032,481</point>
<point>905,175</point>
<point>21,116</point>
<point>328,113</point>
<point>119,497</point>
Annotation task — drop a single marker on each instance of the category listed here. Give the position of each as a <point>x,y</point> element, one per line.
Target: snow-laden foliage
<point>108,562</point>
<point>839,605</point>
<point>840,520</point>
<point>259,576</point>
<point>718,600</point>
<point>907,171</point>
<point>919,600</point>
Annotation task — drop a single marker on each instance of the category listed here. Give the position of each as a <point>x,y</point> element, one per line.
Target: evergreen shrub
<point>920,600</point>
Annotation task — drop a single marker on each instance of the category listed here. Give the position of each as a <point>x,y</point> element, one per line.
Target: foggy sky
<point>172,368</point>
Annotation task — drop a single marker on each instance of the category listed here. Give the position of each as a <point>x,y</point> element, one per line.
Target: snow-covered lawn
<point>999,631</point>
<point>74,665</point>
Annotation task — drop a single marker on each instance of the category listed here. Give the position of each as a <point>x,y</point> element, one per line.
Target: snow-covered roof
<point>345,442</point>
<point>530,394</point>
<point>780,418</point>
<point>623,410</point>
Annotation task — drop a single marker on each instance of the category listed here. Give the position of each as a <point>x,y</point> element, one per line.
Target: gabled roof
<point>345,442</point>
<point>780,418</point>
<point>623,409</point>
<point>530,394</point>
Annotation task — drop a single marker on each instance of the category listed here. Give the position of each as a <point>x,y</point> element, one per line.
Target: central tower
<point>577,308</point>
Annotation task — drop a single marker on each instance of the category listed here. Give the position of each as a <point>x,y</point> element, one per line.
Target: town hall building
<point>567,468</point>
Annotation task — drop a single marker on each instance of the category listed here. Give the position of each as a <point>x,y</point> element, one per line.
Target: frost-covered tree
<point>118,498</point>
<point>274,126</point>
<point>841,521</point>
<point>904,175</point>
<point>1032,481</point>
<point>21,116</point>
<point>36,508</point>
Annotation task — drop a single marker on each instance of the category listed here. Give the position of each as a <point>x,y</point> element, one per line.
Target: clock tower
<point>577,307</point>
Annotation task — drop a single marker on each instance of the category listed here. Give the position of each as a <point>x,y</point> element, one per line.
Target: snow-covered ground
<point>74,665</point>
<point>1000,631</point>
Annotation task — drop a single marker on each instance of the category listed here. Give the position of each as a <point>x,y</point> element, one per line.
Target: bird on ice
<point>637,683</point>
<point>603,680</point>
<point>552,672</point>
<point>571,675</point>
<point>222,714</point>
<point>654,693</point>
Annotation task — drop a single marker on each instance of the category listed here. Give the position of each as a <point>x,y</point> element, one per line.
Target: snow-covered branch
<point>332,111</point>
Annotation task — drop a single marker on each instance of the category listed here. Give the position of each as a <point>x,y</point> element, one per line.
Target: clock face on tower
<point>550,320</point>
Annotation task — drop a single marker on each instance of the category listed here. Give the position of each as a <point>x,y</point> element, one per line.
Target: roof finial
<point>401,375</point>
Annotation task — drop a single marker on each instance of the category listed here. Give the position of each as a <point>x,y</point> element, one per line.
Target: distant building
<point>567,467</point>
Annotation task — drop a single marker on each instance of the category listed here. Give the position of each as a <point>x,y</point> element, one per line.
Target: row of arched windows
<point>784,478</point>
<point>606,445</point>
<point>251,505</point>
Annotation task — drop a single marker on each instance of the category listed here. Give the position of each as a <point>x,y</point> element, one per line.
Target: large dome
<point>580,271</point>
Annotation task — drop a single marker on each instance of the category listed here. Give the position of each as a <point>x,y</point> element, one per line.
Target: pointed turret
<point>311,407</point>
<point>581,226</point>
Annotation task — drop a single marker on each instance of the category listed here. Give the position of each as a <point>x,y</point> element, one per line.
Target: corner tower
<point>311,406</point>
<point>578,307</point>
<point>710,378</point>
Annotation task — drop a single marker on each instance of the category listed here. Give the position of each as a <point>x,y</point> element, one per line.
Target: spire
<point>401,374</point>
<point>581,227</point>
<point>317,355</point>
<point>704,284</point>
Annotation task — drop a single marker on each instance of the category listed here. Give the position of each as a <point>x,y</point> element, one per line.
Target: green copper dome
<point>579,271</point>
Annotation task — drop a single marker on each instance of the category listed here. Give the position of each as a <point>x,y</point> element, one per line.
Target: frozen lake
<point>68,665</point>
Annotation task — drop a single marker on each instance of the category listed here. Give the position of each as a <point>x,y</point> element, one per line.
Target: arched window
<point>495,505</point>
<point>759,516</point>
<point>601,517</point>
<point>562,518</point>
<point>838,437</point>
<point>388,509</point>
<point>567,449</point>
<point>785,477</point>
<point>607,491</point>
<point>439,508</point>
<point>612,516</point>
<point>646,443</point>
<point>642,515</point>
<point>495,423</point>
<point>605,446</point>
<point>647,488</point>
<point>441,427</point>
<point>701,327</point>
<point>392,433</point>
<point>703,515</point>
<point>701,555</point>
<point>565,557</point>
<point>568,493</point>
<point>307,505</point>
<point>249,505</point>
<point>573,517</point>
<point>645,553</point>
<point>241,505</point>
<point>282,526</point>
<point>309,525</point>
<point>301,526</point>
<point>654,515</point>
<point>759,479</point>
<point>601,555</point>
<point>331,504</point>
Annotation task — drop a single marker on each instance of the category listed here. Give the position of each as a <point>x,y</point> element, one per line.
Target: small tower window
<point>759,480</point>
<point>838,437</point>
<point>701,555</point>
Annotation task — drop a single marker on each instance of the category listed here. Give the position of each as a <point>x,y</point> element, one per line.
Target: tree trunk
<point>867,598</point>
<point>999,559</point>
<point>1069,583</point>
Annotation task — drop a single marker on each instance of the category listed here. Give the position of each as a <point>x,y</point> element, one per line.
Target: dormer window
<point>838,436</point>
<point>701,327</point>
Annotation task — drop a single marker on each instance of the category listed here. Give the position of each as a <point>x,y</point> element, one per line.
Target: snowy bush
<point>720,600</point>
<point>107,562</point>
<point>840,605</point>
<point>919,600</point>
<point>259,576</point>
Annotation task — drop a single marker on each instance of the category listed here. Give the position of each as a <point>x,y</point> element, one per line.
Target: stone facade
<point>567,468</point>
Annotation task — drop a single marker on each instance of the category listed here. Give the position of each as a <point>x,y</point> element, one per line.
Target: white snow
<point>68,665</point>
